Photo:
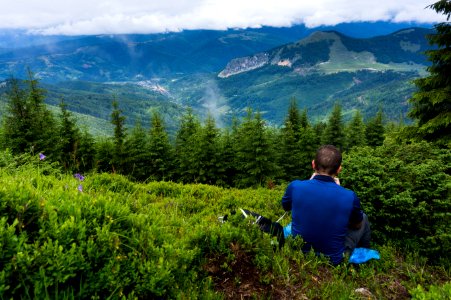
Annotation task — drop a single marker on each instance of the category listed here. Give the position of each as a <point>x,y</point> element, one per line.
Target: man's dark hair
<point>328,159</point>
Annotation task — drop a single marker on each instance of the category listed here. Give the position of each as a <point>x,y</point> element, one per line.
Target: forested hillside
<point>225,72</point>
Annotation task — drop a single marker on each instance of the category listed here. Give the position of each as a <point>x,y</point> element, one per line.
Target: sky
<point>85,17</point>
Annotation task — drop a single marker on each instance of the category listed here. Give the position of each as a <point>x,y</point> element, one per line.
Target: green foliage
<point>297,144</point>
<point>255,159</point>
<point>431,103</point>
<point>334,133</point>
<point>86,152</point>
<point>434,292</point>
<point>405,190</point>
<point>136,151</point>
<point>69,140</point>
<point>355,133</point>
<point>120,133</point>
<point>161,153</point>
<point>374,130</point>
<point>208,156</point>
<point>119,239</point>
<point>290,153</point>
<point>186,144</point>
<point>104,155</point>
<point>29,126</point>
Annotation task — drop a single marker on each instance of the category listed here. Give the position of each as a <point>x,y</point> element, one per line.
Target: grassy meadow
<point>101,236</point>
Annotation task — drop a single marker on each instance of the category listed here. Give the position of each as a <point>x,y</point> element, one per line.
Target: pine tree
<point>118,120</point>
<point>17,122</point>
<point>355,132</point>
<point>431,105</point>
<point>294,118</point>
<point>289,151</point>
<point>86,152</point>
<point>207,153</point>
<point>137,160</point>
<point>307,145</point>
<point>104,158</point>
<point>374,132</point>
<point>29,126</point>
<point>255,156</point>
<point>334,132</point>
<point>186,144</point>
<point>69,139</point>
<point>161,152</point>
<point>43,122</point>
<point>304,123</point>
<point>227,171</point>
<point>319,129</point>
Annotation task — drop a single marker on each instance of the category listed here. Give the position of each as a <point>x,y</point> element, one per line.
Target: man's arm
<point>286,199</point>
<point>356,217</point>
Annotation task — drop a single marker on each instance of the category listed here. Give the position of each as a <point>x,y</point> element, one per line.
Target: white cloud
<point>148,16</point>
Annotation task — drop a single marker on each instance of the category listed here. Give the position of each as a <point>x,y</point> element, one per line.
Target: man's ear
<point>339,169</point>
<point>313,165</point>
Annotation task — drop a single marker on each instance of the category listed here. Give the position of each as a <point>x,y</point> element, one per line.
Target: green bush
<point>405,190</point>
<point>434,293</point>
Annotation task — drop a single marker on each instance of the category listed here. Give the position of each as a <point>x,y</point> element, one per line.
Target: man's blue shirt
<point>321,213</point>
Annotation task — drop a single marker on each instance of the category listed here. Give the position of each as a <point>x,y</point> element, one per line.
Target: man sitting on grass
<point>327,216</point>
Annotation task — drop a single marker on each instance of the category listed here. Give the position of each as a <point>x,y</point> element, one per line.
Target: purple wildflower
<point>80,188</point>
<point>41,156</point>
<point>79,176</point>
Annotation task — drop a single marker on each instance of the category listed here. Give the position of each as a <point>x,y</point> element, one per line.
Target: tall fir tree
<point>319,129</point>
<point>255,157</point>
<point>308,143</point>
<point>137,158</point>
<point>375,131</point>
<point>355,133</point>
<point>289,150</point>
<point>304,123</point>
<point>17,122</point>
<point>44,125</point>
<point>104,155</point>
<point>207,153</point>
<point>334,133</point>
<point>294,118</point>
<point>431,104</point>
<point>120,133</point>
<point>69,140</point>
<point>227,171</point>
<point>86,152</point>
<point>186,143</point>
<point>28,125</point>
<point>161,151</point>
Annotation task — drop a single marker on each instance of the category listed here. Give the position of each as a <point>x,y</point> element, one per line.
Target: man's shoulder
<point>298,182</point>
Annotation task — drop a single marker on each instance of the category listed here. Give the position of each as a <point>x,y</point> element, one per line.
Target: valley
<point>221,73</point>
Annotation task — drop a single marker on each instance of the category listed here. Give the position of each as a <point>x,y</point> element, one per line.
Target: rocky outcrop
<point>244,64</point>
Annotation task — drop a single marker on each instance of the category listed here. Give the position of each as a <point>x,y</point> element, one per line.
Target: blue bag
<point>362,255</point>
<point>287,230</point>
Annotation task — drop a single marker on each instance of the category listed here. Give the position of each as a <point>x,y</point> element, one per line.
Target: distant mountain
<point>331,52</point>
<point>136,57</point>
<point>223,72</point>
<point>319,70</point>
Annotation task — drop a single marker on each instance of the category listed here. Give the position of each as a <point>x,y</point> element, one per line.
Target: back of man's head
<point>328,160</point>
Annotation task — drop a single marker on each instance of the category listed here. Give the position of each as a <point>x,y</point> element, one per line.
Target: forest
<point>137,215</point>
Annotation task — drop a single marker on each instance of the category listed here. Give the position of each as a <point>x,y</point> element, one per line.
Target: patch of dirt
<point>241,279</point>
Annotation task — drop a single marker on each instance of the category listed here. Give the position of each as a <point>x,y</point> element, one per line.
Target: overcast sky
<point>75,17</point>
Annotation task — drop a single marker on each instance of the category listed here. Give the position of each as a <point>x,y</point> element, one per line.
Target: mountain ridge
<point>338,44</point>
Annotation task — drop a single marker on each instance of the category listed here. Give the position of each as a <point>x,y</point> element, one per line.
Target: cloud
<point>72,17</point>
